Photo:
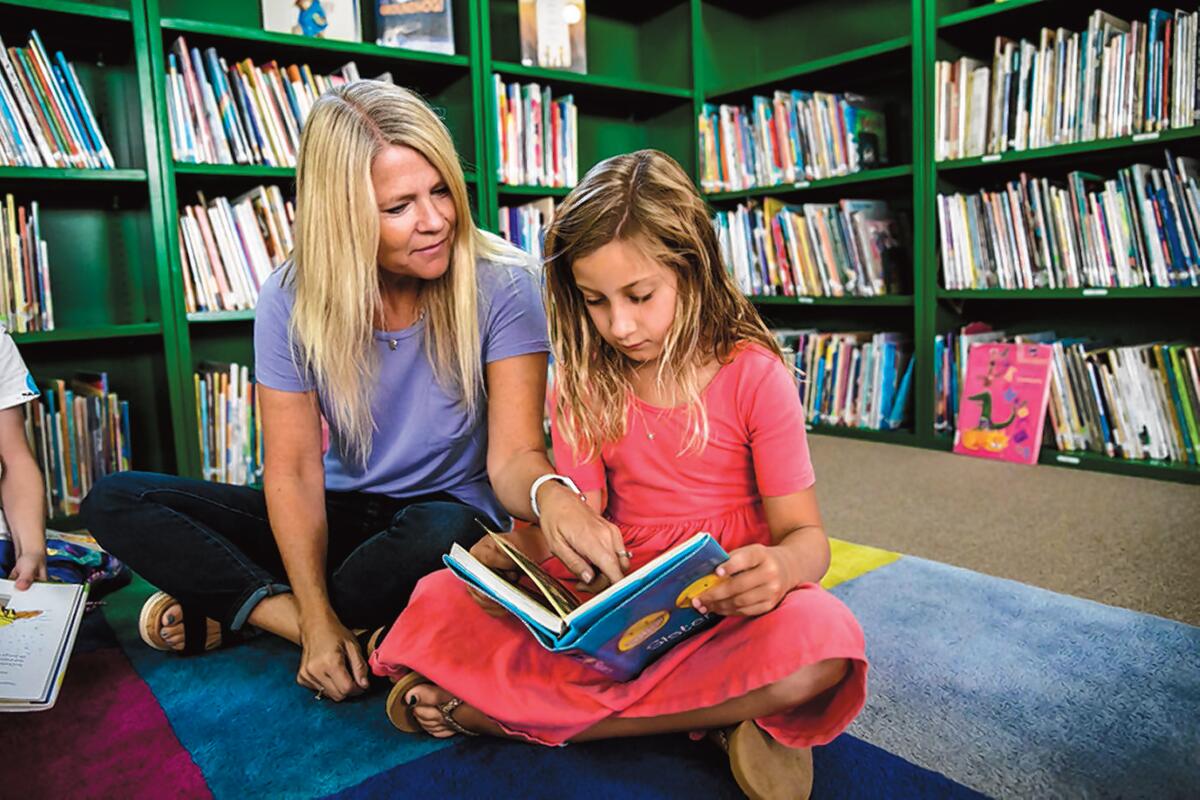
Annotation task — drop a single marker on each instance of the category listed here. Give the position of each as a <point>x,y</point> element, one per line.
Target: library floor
<point>1128,542</point>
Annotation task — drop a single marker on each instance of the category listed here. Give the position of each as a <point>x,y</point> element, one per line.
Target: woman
<point>422,341</point>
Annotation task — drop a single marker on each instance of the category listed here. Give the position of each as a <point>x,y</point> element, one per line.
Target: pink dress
<point>657,498</point>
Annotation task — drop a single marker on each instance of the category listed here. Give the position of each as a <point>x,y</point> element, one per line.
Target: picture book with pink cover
<point>1002,408</point>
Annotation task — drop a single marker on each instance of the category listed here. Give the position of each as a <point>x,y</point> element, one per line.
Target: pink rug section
<point>105,737</point>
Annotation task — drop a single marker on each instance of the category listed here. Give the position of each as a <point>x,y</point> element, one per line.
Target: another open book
<point>37,633</point>
<point>620,630</point>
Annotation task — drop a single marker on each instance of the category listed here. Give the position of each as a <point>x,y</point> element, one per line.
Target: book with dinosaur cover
<point>37,632</point>
<point>620,630</point>
<point>1003,406</point>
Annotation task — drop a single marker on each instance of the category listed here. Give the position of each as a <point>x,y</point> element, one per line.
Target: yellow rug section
<point>848,561</point>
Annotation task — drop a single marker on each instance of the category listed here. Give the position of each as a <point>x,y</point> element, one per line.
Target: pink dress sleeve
<point>774,417</point>
<point>588,476</point>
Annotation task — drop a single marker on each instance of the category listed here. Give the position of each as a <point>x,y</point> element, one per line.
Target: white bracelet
<point>549,476</point>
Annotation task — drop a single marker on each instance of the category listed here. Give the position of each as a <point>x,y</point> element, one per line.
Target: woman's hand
<point>754,580</point>
<point>331,663</point>
<point>581,538</point>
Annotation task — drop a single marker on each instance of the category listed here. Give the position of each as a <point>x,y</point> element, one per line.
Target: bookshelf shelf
<point>75,7</point>
<point>984,12</point>
<point>890,300</point>
<point>295,42</point>
<point>906,437</point>
<point>1078,148</point>
<point>865,176</point>
<point>220,316</point>
<point>1102,293</point>
<point>89,334</point>
<point>532,191</point>
<point>67,174</point>
<point>566,79</point>
<point>881,50</point>
<point>1162,470</point>
<point>252,171</point>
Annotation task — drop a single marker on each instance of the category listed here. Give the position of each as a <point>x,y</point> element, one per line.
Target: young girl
<point>675,413</point>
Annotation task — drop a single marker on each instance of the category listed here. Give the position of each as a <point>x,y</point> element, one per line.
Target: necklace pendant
<point>650,436</point>
<point>392,343</point>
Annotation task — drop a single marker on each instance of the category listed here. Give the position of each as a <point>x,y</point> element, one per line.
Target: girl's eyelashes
<point>641,299</point>
<point>593,301</point>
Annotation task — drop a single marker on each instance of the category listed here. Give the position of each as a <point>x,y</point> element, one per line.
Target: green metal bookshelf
<point>652,64</point>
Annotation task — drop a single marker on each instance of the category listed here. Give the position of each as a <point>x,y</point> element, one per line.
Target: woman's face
<point>416,214</point>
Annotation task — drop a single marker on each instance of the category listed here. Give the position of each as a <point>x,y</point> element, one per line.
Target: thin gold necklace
<point>394,342</point>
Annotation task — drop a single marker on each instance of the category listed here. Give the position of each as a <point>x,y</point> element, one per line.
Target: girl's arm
<point>23,497</point>
<point>571,530</point>
<point>294,484</point>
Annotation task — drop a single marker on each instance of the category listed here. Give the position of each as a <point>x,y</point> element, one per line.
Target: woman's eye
<point>642,299</point>
<point>397,209</point>
<point>442,190</point>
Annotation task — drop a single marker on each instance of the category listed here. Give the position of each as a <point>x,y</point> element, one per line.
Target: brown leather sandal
<point>763,768</point>
<point>401,713</point>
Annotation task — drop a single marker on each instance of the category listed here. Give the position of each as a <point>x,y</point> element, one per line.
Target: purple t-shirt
<point>424,442</point>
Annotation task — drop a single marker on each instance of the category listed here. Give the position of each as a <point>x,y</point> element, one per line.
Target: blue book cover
<point>895,417</point>
<point>619,631</point>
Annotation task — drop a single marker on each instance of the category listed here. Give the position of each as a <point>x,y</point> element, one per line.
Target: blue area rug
<point>979,687</point>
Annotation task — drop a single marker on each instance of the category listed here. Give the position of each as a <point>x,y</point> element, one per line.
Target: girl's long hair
<point>334,265</point>
<point>646,199</point>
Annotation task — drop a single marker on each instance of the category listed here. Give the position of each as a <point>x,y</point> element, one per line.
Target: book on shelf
<point>227,410</point>
<point>79,432</point>
<point>854,380</point>
<point>553,34</point>
<point>1139,228</point>
<point>1138,401</point>
<point>241,113</point>
<point>325,19</point>
<point>852,247</point>
<point>26,302</point>
<point>525,225</point>
<point>790,137</point>
<point>1005,392</point>
<point>619,631</point>
<point>46,119</point>
<point>1114,78</point>
<point>38,627</point>
<point>228,248</point>
<point>537,135</point>
<point>426,25</point>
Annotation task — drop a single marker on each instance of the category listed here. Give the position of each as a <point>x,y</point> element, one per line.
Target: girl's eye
<point>642,299</point>
<point>593,301</point>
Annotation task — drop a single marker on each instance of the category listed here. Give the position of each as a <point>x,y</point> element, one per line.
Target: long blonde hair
<point>646,199</point>
<point>334,265</point>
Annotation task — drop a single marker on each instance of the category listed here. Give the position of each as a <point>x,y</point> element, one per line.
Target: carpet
<point>979,687</point>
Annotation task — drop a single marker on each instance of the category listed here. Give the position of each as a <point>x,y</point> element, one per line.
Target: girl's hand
<point>754,580</point>
<point>492,557</point>
<point>581,538</point>
<point>30,567</point>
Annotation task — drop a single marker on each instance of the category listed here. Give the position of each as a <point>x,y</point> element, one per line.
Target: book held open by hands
<point>37,633</point>
<point>618,631</point>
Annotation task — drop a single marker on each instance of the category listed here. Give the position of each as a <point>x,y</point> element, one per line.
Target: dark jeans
<point>210,545</point>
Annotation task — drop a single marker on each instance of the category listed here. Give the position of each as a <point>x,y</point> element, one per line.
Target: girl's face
<point>630,298</point>
<point>416,214</point>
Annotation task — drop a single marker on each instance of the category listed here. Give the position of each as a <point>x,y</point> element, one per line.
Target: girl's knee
<point>809,682</point>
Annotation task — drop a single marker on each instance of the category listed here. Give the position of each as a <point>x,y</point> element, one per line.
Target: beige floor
<point>1130,542</point>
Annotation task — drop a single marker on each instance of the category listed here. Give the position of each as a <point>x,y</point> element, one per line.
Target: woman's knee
<point>449,522</point>
<point>809,682</point>
<point>107,508</point>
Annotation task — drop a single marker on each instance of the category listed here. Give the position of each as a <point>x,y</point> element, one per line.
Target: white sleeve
<point>16,384</point>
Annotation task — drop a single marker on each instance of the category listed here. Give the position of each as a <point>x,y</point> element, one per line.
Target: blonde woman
<point>422,340</point>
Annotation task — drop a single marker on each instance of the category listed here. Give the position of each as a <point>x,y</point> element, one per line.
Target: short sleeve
<point>775,422</point>
<point>16,384</point>
<point>515,322</point>
<point>275,363</point>
<point>589,476</point>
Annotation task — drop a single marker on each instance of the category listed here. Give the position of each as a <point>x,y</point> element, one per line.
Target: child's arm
<point>758,575</point>
<point>23,499</point>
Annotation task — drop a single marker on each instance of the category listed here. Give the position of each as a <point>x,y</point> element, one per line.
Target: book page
<point>33,626</point>
<point>560,598</point>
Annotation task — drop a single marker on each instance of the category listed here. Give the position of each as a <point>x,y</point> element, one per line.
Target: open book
<point>37,633</point>
<point>620,630</point>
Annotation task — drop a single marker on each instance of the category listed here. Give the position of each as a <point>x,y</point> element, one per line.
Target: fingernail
<point>586,577</point>
<point>721,571</point>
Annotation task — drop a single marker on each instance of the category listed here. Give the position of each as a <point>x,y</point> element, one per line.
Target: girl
<point>675,413</point>
<point>422,340</point>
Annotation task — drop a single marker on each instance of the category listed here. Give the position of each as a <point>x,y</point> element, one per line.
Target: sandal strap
<point>195,630</point>
<point>447,709</point>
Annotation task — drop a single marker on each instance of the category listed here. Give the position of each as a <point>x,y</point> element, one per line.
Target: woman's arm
<point>294,484</point>
<point>23,496</point>
<point>572,530</point>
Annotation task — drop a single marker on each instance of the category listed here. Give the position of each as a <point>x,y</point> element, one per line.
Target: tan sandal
<point>195,627</point>
<point>401,713</point>
<point>763,768</point>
